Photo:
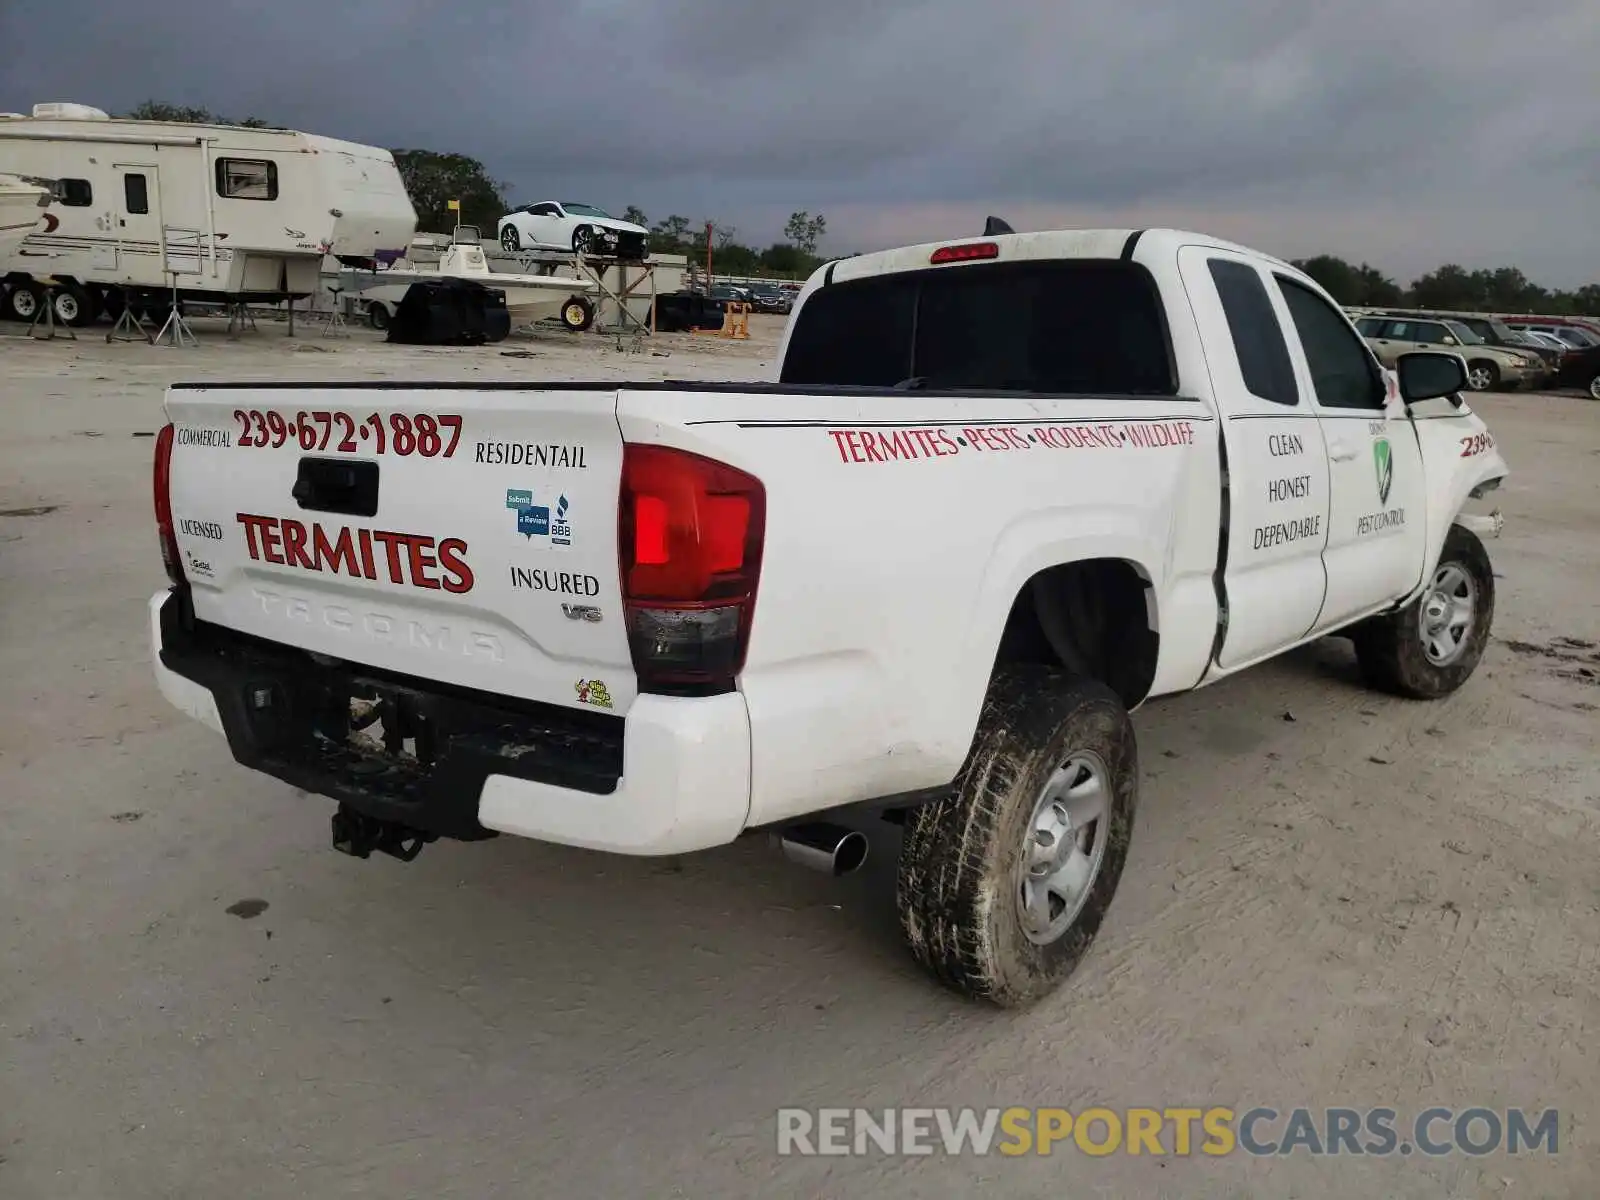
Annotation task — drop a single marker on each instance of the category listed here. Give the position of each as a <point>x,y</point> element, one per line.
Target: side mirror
<point>1448,341</point>
<point>1429,375</point>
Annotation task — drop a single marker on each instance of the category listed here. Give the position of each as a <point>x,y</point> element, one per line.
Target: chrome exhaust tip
<point>831,849</point>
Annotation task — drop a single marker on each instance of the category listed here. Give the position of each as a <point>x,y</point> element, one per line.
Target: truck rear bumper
<point>670,777</point>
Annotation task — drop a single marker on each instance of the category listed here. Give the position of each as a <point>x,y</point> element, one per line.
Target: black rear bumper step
<point>292,717</point>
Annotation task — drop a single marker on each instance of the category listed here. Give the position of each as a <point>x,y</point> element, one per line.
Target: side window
<point>1257,336</point>
<point>75,193</point>
<point>543,210</point>
<point>1401,331</point>
<point>135,194</point>
<point>1342,368</point>
<point>1370,326</point>
<point>247,179</point>
<point>1429,333</point>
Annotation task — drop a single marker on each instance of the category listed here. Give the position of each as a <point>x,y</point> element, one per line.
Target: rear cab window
<point>1084,326</point>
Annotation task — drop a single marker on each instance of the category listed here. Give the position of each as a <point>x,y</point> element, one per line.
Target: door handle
<point>1341,451</point>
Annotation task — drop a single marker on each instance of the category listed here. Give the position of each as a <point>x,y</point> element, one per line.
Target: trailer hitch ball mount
<point>358,835</point>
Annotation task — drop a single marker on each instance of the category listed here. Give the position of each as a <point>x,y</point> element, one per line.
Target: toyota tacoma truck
<point>1004,491</point>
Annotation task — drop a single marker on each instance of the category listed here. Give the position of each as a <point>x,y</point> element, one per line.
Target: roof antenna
<point>994,225</point>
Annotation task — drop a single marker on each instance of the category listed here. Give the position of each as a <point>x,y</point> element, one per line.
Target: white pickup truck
<point>1004,491</point>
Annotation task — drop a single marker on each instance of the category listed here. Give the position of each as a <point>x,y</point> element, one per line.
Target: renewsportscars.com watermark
<point>1162,1132</point>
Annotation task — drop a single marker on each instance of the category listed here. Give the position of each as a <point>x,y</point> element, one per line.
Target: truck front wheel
<point>1430,647</point>
<point>1003,884</point>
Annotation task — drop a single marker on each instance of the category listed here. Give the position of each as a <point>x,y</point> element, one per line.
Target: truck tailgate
<point>461,534</point>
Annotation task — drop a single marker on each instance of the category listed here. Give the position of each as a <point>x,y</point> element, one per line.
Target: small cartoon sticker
<point>593,691</point>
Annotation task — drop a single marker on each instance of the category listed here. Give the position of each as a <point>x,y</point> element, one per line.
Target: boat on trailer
<point>529,298</point>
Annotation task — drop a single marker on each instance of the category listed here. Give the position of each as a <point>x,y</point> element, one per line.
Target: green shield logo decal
<point>1384,462</point>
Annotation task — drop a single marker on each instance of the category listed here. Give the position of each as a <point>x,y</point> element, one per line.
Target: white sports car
<point>581,228</point>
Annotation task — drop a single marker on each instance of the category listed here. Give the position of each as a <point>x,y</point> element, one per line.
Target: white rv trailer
<point>239,214</point>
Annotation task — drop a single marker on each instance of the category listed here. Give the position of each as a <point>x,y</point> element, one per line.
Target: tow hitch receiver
<point>358,835</point>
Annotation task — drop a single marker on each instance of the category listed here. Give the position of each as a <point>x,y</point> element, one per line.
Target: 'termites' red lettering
<point>409,559</point>
<point>892,445</point>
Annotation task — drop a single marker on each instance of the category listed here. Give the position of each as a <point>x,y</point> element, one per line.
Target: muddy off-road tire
<point>1003,884</point>
<point>1430,647</point>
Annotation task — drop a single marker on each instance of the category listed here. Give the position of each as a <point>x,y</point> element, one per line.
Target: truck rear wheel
<point>1430,647</point>
<point>1003,884</point>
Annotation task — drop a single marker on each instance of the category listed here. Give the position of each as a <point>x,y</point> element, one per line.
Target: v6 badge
<point>581,612</point>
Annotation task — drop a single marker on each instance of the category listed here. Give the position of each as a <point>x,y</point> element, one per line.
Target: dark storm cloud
<point>1404,133</point>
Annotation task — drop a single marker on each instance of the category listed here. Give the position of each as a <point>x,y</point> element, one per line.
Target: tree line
<point>1451,287</point>
<point>433,179</point>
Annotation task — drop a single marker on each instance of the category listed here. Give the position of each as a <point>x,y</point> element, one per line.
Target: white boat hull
<point>525,305</point>
<point>529,298</point>
<point>22,208</point>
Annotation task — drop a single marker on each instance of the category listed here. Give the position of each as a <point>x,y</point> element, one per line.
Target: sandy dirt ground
<point>1374,903</point>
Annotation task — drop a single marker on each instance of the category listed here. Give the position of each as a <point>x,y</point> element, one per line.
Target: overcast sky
<point>1406,133</point>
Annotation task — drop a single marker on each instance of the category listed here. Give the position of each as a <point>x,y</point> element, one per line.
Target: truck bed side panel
<point>900,528</point>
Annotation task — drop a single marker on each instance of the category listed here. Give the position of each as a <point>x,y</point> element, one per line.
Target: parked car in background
<point>1547,340</point>
<point>1488,367</point>
<point>770,298</point>
<point>581,228</point>
<point>1494,332</point>
<point>1586,325</point>
<point>1575,336</point>
<point>731,293</point>
<point>1581,369</point>
<point>1552,351</point>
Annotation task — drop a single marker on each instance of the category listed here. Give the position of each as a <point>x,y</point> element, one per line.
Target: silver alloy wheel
<point>1479,378</point>
<point>1594,387</point>
<point>508,238</point>
<point>1066,844</point>
<point>1446,614</point>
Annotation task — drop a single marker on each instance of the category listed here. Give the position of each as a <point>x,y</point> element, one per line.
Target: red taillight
<point>689,536</point>
<point>163,498</point>
<point>971,252</point>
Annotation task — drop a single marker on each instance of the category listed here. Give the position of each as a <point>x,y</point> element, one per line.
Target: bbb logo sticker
<point>538,521</point>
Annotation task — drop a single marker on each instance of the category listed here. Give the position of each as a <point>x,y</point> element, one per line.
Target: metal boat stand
<point>175,327</point>
<point>45,316</point>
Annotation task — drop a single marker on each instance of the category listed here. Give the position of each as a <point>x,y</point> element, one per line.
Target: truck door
<point>1377,527</point>
<point>135,217</point>
<point>1277,469</point>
